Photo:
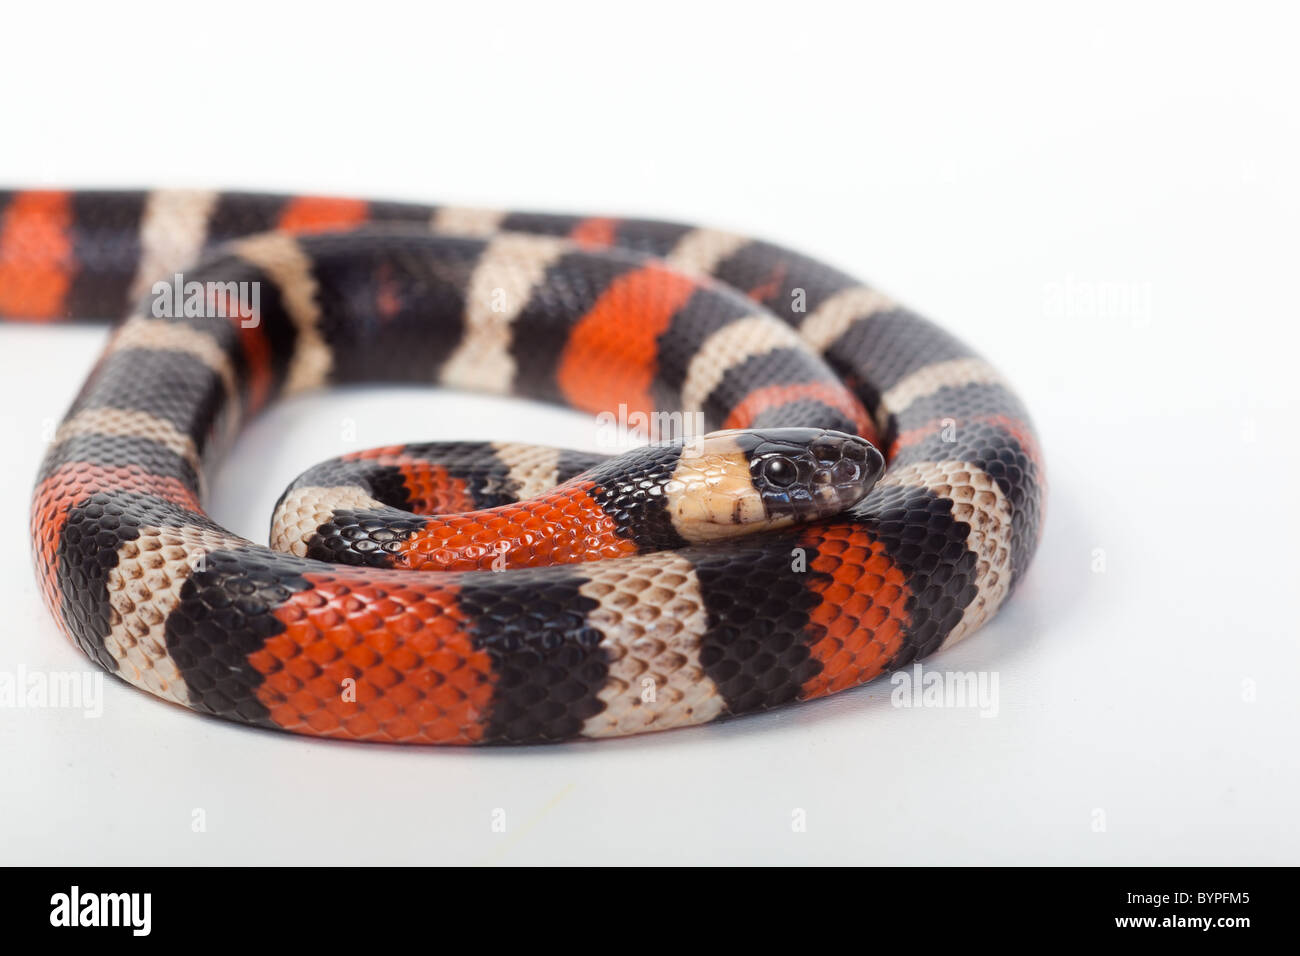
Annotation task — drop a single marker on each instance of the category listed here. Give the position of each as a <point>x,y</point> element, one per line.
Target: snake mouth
<point>805,474</point>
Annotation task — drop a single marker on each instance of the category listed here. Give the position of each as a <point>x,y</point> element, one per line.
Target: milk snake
<point>667,627</point>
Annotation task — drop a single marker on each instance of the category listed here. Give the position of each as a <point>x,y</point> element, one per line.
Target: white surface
<point>973,163</point>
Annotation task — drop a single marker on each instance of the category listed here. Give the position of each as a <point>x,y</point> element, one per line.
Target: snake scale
<point>479,592</point>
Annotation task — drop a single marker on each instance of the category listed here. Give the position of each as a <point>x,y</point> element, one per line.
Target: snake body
<point>469,593</point>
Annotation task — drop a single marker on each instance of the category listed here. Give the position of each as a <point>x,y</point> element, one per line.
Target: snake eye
<point>780,471</point>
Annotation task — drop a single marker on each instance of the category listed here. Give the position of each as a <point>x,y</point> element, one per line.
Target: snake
<point>860,489</point>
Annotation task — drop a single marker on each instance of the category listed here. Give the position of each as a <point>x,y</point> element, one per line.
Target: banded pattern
<point>594,312</point>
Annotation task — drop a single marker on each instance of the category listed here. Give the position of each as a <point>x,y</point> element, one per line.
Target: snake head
<point>739,481</point>
<point>804,474</point>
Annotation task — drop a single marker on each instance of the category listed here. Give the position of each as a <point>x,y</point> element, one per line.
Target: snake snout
<point>847,467</point>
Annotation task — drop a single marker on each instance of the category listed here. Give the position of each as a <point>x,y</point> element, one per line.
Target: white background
<point>1103,201</point>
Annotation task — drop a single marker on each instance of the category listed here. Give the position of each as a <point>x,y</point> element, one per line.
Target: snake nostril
<point>846,471</point>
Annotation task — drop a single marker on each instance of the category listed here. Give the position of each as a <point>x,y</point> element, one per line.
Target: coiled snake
<point>463,593</point>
